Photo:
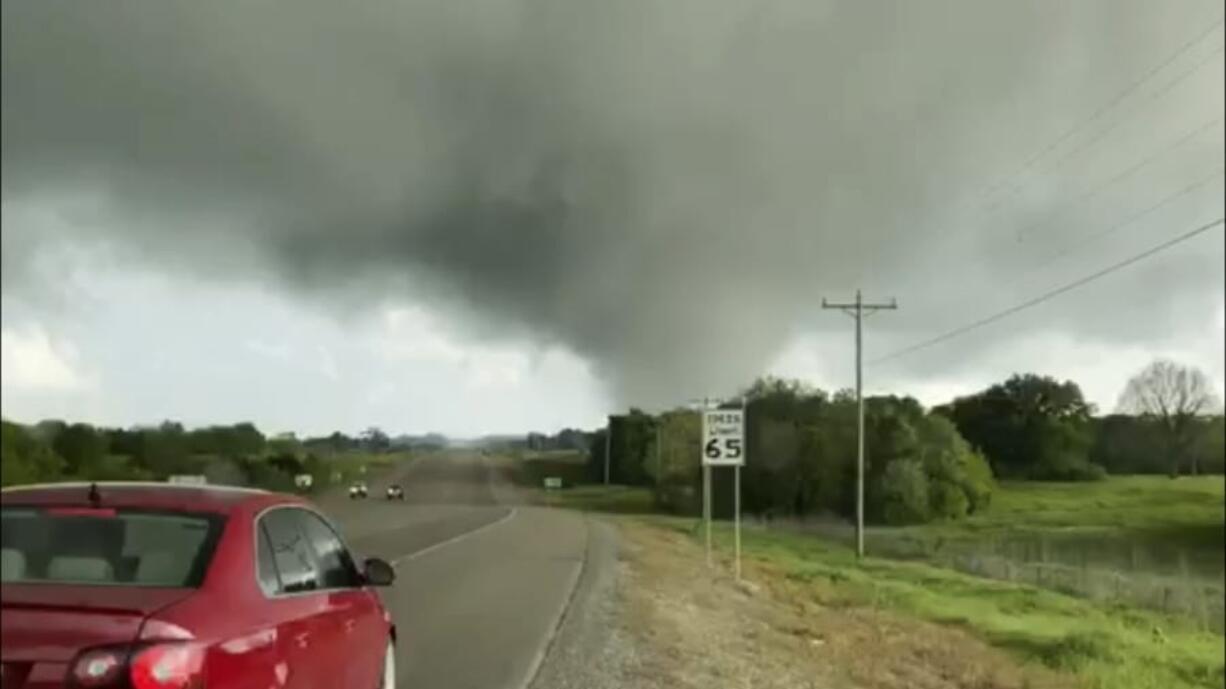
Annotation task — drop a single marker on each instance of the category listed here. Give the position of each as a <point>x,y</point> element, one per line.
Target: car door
<point>305,633</point>
<point>355,618</point>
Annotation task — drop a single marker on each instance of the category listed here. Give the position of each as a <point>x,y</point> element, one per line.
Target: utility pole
<point>737,492</point>
<point>857,311</point>
<point>706,491</point>
<point>658,436</point>
<point>608,446</point>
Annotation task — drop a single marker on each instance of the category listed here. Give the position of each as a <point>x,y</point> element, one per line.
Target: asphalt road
<point>482,581</point>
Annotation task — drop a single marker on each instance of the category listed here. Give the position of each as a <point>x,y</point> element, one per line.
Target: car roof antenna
<point>95,498</point>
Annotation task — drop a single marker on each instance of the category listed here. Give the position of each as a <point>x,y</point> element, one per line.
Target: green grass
<point>1138,504</point>
<point>608,499</point>
<point>1147,524</point>
<point>1105,645</point>
<point>1134,542</point>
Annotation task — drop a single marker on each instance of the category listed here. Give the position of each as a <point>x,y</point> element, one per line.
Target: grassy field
<point>1148,541</point>
<point>1119,528</point>
<point>1189,510</point>
<point>1102,644</point>
<point>610,499</point>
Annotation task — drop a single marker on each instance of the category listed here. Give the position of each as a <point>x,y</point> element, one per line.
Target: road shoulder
<point>655,617</point>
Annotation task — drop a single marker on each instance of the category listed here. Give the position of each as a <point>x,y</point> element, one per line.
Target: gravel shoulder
<point>649,614</point>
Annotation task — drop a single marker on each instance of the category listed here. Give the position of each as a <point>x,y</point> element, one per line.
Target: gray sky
<point>500,215</point>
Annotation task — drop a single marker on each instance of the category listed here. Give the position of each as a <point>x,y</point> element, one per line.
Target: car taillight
<point>98,668</point>
<point>168,666</point>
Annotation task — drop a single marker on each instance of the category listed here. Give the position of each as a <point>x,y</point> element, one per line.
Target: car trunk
<point>44,626</point>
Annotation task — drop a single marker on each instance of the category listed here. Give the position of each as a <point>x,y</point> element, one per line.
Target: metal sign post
<point>737,520</point>
<point>737,499</point>
<point>723,444</point>
<point>706,507</point>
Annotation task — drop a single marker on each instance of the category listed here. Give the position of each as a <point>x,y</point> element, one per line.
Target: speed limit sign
<point>723,437</point>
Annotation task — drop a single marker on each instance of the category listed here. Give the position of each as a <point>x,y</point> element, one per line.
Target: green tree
<point>238,440</point>
<point>677,485</point>
<point>1211,447</point>
<point>375,440</point>
<point>165,450</point>
<point>25,458</point>
<point>918,467</point>
<point>1030,426</point>
<point>784,446</point>
<point>961,478</point>
<point>1128,444</point>
<point>83,448</point>
<point>596,457</point>
<point>284,443</point>
<point>904,493</point>
<point>334,443</point>
<point>47,430</point>
<point>631,448</point>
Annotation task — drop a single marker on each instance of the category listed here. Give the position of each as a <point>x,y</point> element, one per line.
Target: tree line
<point>238,454</point>
<point>801,445</point>
<point>921,465</point>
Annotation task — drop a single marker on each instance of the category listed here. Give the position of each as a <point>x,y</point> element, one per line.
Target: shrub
<point>114,468</point>
<point>947,500</point>
<point>962,477</point>
<point>26,458</point>
<point>978,482</point>
<point>904,493</point>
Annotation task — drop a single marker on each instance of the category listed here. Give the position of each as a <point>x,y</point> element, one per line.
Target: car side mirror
<point>378,572</point>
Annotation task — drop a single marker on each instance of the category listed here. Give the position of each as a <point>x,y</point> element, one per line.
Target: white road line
<point>547,645</point>
<point>454,539</point>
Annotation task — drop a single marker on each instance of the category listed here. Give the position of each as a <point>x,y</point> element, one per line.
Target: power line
<point>1105,108</point>
<point>1138,166</point>
<point>1102,134</point>
<point>1165,201</point>
<point>1066,249</point>
<point>1050,294</point>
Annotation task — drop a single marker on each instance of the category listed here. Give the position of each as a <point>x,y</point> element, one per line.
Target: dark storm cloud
<point>667,187</point>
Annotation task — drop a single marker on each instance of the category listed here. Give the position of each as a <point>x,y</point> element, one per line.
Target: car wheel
<point>389,668</point>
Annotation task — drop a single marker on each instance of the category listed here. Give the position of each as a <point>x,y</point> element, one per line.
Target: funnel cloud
<point>667,189</point>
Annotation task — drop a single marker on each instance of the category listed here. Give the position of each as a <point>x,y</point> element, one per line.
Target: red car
<point>160,586</point>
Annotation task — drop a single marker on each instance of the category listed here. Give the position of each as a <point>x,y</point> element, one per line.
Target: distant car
<point>395,492</point>
<point>160,586</point>
<point>357,490</point>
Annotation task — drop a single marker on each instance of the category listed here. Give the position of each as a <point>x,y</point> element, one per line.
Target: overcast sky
<point>505,215</point>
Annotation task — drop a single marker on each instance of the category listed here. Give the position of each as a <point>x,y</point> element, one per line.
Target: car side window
<point>336,567</point>
<point>291,553</point>
<point>266,566</point>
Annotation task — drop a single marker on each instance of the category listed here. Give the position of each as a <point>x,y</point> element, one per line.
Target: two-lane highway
<point>482,580</point>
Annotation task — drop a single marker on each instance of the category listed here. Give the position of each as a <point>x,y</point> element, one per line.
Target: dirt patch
<point>697,628</point>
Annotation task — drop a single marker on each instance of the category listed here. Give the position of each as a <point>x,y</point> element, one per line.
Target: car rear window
<point>106,547</point>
